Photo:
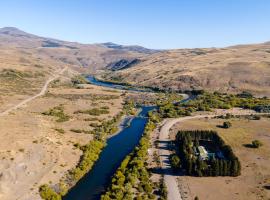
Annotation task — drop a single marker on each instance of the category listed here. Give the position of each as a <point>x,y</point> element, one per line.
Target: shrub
<point>76,130</point>
<point>175,161</point>
<point>60,130</point>
<point>256,143</point>
<point>163,190</point>
<point>58,112</point>
<point>227,124</point>
<point>78,80</point>
<point>48,193</point>
<point>94,111</point>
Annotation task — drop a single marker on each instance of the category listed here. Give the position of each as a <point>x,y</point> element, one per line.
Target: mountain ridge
<point>230,69</point>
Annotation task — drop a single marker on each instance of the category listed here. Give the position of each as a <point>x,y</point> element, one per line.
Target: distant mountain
<point>15,32</point>
<point>134,48</point>
<point>86,57</point>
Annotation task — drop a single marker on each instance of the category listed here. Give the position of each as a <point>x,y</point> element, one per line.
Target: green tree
<point>48,193</point>
<point>175,161</point>
<point>227,124</point>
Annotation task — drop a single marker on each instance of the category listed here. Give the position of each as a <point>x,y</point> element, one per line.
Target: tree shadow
<point>267,187</point>
<point>167,171</point>
<point>248,146</point>
<point>166,145</point>
<point>220,126</point>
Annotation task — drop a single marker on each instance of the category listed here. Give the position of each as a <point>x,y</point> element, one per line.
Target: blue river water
<point>94,183</point>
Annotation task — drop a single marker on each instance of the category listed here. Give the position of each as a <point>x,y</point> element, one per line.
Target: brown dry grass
<point>229,69</point>
<point>33,152</point>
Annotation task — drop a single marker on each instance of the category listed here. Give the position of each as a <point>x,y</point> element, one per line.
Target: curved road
<point>42,92</point>
<point>165,152</point>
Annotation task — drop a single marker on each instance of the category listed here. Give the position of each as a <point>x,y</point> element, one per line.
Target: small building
<point>203,153</point>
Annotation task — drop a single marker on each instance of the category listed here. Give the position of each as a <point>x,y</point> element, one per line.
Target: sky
<point>158,24</point>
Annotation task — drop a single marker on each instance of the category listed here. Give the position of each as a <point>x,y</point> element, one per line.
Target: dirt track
<point>42,92</point>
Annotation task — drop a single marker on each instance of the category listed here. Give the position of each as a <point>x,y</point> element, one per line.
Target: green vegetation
<point>207,101</point>
<point>60,130</point>
<point>132,177</point>
<point>175,161</point>
<point>226,124</point>
<point>14,74</point>
<point>218,161</point>
<point>90,154</point>
<point>48,194</point>
<point>256,143</point>
<point>163,192</point>
<point>58,112</point>
<point>171,110</point>
<point>78,80</point>
<point>130,108</point>
<point>92,119</point>
<point>93,111</point>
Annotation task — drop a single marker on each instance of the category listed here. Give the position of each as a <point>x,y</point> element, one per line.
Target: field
<point>254,181</point>
<point>39,149</point>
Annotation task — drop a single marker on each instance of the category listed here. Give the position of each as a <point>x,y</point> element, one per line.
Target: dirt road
<point>42,92</point>
<point>164,152</point>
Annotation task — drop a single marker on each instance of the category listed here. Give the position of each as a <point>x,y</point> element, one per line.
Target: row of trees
<point>206,101</point>
<point>132,178</point>
<point>227,166</point>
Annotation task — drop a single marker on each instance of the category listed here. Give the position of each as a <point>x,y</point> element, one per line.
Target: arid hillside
<point>232,69</point>
<point>27,61</point>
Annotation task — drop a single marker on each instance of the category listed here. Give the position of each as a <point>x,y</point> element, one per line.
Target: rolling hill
<point>27,61</point>
<point>232,69</point>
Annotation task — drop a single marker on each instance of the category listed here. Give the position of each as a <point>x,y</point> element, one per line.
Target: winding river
<point>94,183</point>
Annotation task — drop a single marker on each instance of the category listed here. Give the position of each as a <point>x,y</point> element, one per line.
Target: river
<point>94,183</point>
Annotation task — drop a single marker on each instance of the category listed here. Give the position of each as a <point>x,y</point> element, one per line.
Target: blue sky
<point>151,23</point>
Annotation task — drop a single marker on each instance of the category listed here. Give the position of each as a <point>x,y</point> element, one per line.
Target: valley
<point>99,121</point>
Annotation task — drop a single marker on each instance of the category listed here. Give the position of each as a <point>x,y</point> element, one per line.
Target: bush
<point>78,80</point>
<point>58,112</point>
<point>175,161</point>
<point>256,143</point>
<point>163,190</point>
<point>227,124</point>
<point>94,111</point>
<point>48,193</point>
